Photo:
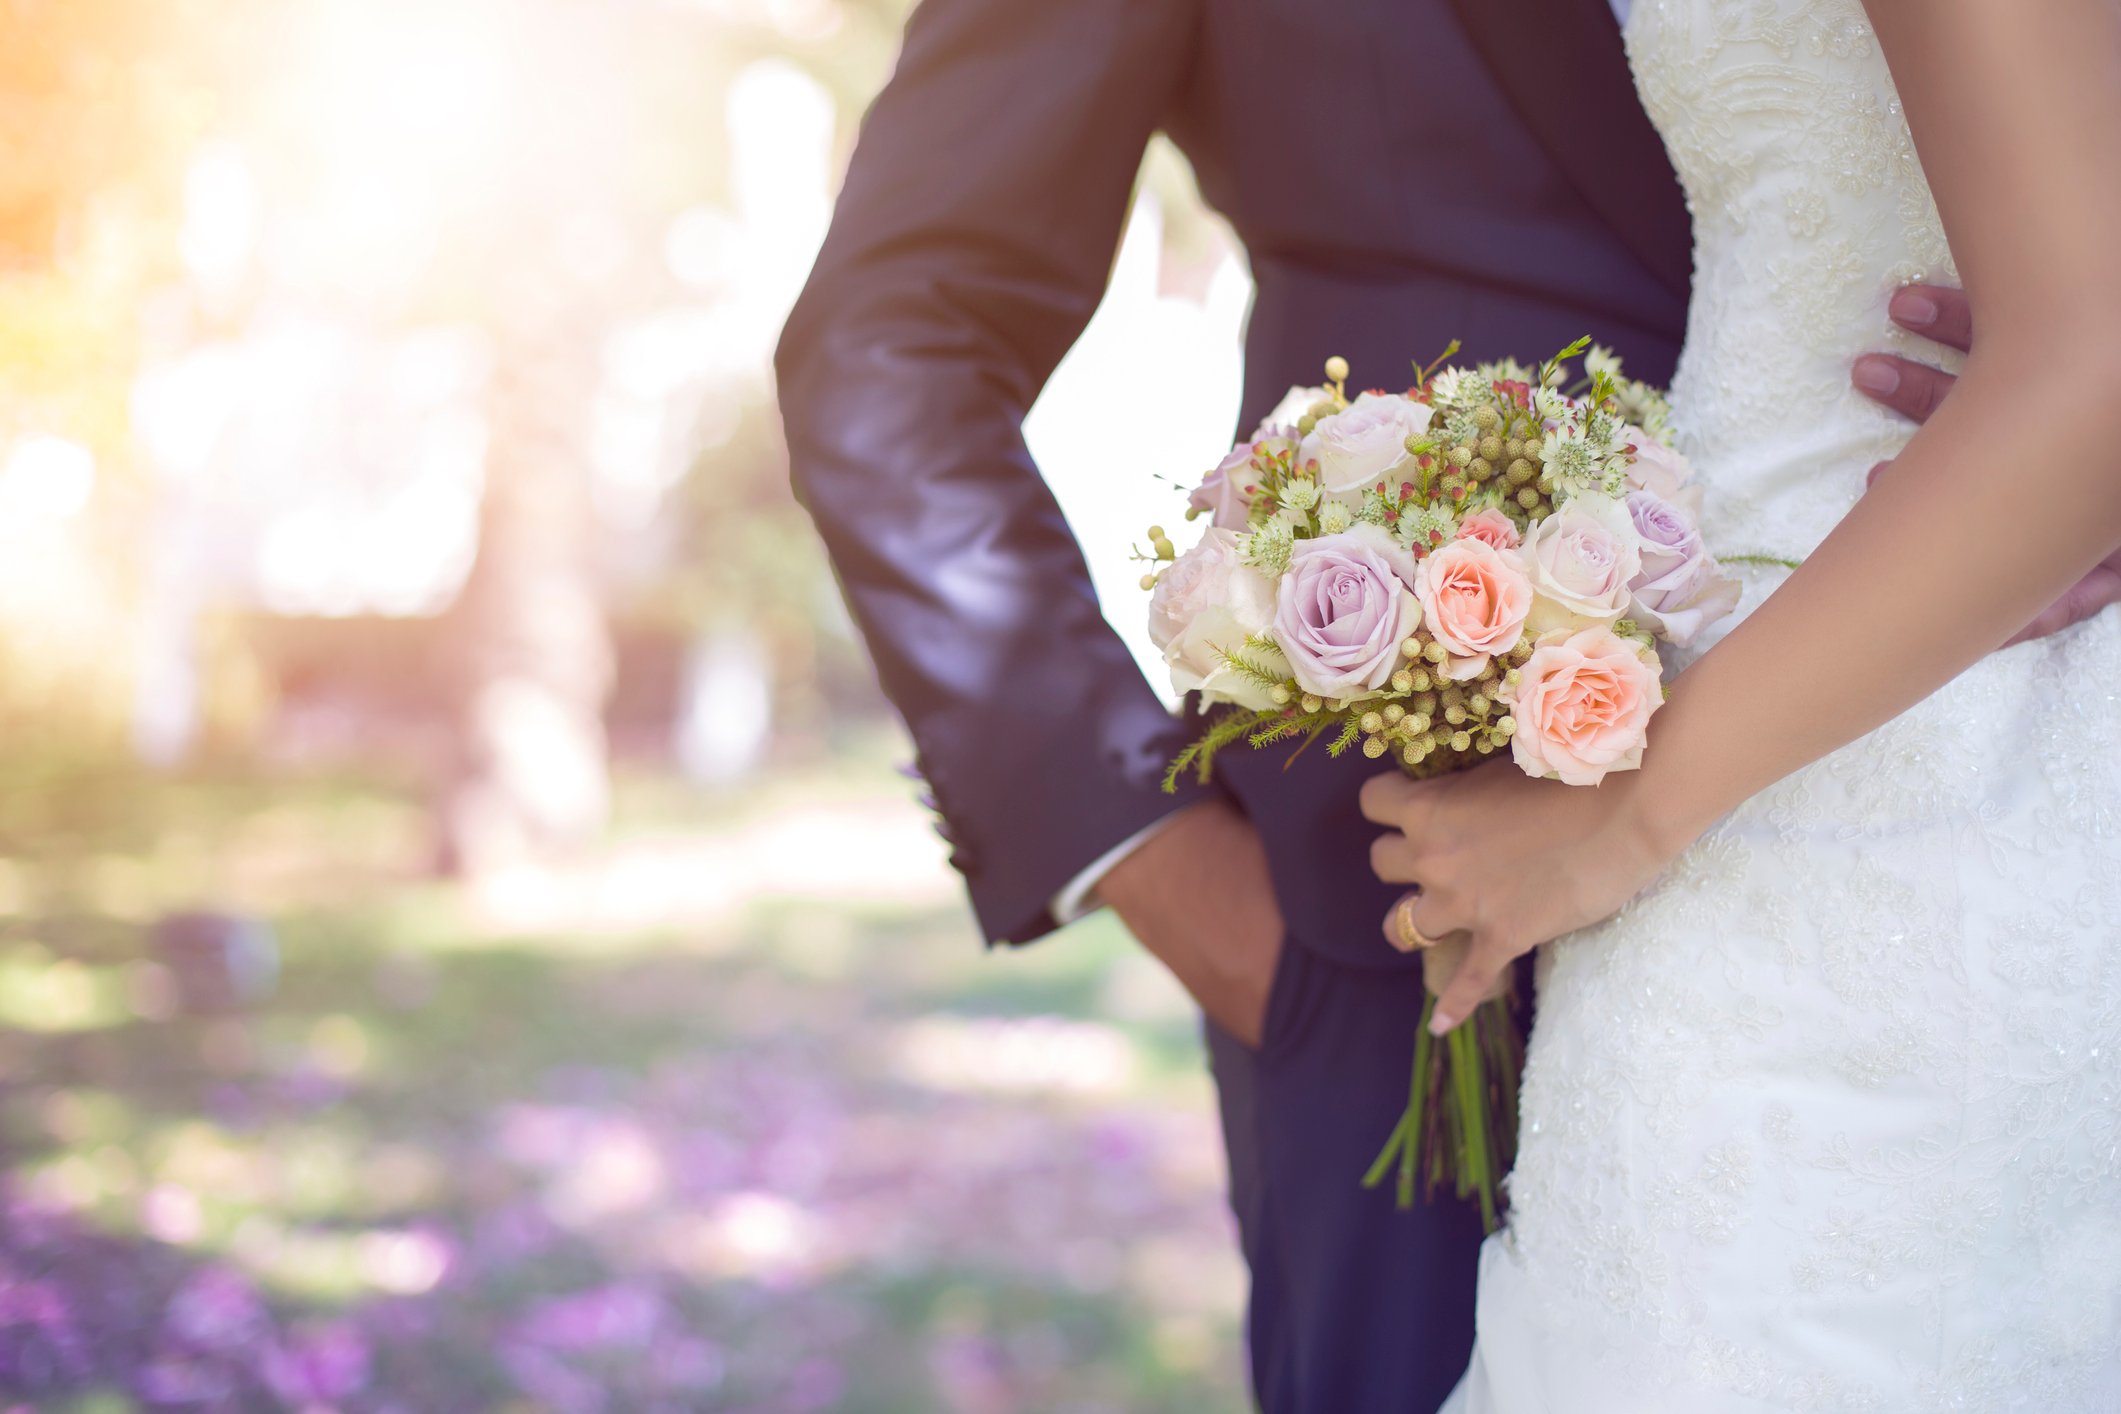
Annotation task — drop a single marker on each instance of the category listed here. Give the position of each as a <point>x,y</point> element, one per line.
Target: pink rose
<point>1681,590</point>
<point>1206,604</point>
<point>1341,615</point>
<point>1474,601</point>
<point>1226,492</point>
<point>1661,471</point>
<point>1582,707</point>
<point>1581,561</point>
<point>1490,527</point>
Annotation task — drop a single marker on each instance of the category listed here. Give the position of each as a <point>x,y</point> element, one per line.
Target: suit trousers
<point>1356,1307</point>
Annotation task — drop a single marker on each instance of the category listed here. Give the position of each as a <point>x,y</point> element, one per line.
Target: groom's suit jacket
<point>1401,172</point>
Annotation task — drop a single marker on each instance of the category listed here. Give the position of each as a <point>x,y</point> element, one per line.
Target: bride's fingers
<point>1432,913</point>
<point>1392,858</point>
<point>1383,798</point>
<point>1483,969</point>
<point>1401,931</point>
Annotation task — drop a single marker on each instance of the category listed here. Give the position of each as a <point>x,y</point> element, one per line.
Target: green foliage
<point>1199,757</point>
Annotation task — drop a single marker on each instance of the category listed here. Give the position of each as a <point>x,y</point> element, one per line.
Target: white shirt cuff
<point>1075,901</point>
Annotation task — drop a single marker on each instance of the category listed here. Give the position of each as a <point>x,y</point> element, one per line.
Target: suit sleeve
<point>971,244</point>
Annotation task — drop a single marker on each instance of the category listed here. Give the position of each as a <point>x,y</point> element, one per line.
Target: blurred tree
<point>101,102</point>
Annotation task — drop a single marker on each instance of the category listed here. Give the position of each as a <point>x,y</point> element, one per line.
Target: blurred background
<point>466,941</point>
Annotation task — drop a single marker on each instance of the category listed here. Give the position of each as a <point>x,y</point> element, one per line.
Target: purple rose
<point>1681,589</point>
<point>1226,493</point>
<point>1342,612</point>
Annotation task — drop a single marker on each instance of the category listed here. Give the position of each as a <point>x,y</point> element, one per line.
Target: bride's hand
<point>1510,861</point>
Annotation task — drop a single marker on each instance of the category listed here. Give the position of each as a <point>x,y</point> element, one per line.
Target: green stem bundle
<point>1460,1124</point>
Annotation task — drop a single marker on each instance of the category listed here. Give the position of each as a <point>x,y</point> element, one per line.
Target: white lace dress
<point>1830,1119</point>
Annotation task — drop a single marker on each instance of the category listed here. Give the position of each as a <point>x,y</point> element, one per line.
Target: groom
<point>1401,172</point>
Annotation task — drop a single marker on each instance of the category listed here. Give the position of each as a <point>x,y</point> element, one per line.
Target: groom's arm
<point>1915,390</point>
<point>969,248</point>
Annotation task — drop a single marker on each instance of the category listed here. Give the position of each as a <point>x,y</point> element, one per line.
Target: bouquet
<point>1482,564</point>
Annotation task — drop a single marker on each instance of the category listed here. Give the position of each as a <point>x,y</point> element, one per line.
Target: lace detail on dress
<point>1830,1118</point>
<point>1810,208</point>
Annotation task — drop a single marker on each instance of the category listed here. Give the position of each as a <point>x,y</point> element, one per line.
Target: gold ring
<point>1411,938</point>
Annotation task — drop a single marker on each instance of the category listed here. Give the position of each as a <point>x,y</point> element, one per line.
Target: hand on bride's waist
<point>1916,390</point>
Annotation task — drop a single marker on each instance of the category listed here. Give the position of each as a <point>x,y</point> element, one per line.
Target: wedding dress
<point>1830,1118</point>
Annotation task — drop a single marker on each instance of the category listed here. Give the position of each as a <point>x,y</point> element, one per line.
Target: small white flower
<point>1299,493</point>
<point>1601,360</point>
<point>1505,370</point>
<point>1426,525</point>
<point>1445,387</point>
<point>1334,518</point>
<point>1573,461</point>
<point>1267,548</point>
<point>1646,407</point>
<point>1554,406</point>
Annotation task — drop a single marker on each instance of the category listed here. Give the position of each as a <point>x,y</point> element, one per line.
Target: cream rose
<point>1359,447</point>
<point>1281,419</point>
<point>1581,561</point>
<point>1474,600</point>
<point>1206,605</point>
<point>1582,707</point>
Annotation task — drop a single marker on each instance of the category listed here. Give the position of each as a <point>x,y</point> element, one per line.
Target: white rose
<point>1206,605</point>
<point>1359,447</point>
<point>1281,421</point>
<point>1581,561</point>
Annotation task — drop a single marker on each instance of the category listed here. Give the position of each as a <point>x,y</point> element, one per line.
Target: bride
<point>1823,1107</point>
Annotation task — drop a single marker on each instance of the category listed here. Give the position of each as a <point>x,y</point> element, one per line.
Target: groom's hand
<point>1915,390</point>
<point>1197,895</point>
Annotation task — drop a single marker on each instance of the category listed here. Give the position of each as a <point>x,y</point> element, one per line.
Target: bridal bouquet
<point>1484,563</point>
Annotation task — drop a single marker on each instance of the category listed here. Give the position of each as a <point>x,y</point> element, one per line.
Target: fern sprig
<point>1199,756</point>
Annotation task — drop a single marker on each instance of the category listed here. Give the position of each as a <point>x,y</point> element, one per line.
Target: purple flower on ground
<point>217,1310</point>
<point>185,1379</point>
<point>322,1363</point>
<point>37,1330</point>
<point>615,1316</point>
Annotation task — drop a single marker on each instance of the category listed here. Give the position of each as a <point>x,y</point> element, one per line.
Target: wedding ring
<point>1411,938</point>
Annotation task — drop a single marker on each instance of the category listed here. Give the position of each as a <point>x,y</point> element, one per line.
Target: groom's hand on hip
<point>1915,391</point>
<point>1197,894</point>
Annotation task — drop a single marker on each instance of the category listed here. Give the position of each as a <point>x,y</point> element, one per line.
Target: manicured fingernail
<point>1441,1022</point>
<point>1914,309</point>
<point>1877,377</point>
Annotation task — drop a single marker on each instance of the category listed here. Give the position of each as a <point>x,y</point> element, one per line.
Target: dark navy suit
<point>1401,172</point>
